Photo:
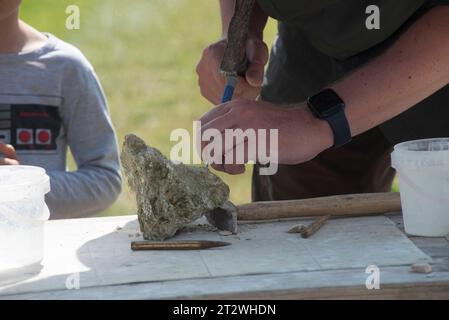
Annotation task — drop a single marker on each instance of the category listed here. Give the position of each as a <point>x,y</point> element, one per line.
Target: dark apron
<point>318,43</point>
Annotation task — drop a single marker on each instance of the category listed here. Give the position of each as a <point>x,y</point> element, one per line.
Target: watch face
<point>326,103</point>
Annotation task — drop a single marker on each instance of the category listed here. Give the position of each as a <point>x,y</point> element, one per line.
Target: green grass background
<point>145,53</point>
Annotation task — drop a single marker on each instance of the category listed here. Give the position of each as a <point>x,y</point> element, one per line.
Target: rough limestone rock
<point>169,196</point>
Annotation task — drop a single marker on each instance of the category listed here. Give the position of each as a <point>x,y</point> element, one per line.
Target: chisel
<point>235,61</point>
<point>177,245</point>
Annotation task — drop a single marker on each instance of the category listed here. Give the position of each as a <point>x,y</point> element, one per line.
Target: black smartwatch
<point>328,106</point>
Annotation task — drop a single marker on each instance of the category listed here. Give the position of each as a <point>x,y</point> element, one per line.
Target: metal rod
<point>177,245</point>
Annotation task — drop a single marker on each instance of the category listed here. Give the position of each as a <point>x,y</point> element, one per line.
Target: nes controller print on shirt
<point>30,127</point>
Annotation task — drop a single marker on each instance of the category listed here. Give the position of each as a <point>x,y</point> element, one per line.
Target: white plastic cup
<point>423,171</point>
<point>23,213</point>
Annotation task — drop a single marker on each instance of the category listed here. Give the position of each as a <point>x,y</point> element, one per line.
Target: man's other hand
<point>212,83</point>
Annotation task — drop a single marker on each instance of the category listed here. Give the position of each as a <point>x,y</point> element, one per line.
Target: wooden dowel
<point>351,205</point>
<point>314,226</point>
<point>297,228</point>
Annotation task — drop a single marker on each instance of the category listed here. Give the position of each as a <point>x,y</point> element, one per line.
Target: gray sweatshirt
<point>51,99</point>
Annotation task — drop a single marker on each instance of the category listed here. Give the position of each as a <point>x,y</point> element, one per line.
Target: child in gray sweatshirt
<point>51,100</point>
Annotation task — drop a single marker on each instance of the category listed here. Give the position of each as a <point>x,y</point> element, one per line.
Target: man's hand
<point>8,155</point>
<point>212,83</point>
<point>301,136</point>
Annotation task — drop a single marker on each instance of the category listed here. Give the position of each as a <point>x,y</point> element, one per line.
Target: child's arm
<point>91,138</point>
<point>8,155</point>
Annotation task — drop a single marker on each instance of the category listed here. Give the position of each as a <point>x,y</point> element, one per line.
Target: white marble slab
<point>97,252</point>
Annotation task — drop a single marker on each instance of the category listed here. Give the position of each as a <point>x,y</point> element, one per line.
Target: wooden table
<point>264,262</point>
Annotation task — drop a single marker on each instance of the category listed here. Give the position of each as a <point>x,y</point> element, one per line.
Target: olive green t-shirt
<point>320,41</point>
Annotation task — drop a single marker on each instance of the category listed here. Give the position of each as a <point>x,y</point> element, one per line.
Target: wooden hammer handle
<point>349,205</point>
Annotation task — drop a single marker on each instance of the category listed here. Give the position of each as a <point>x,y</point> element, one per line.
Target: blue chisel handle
<point>231,82</point>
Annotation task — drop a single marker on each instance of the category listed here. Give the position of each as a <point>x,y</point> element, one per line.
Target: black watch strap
<point>340,128</point>
<point>328,106</point>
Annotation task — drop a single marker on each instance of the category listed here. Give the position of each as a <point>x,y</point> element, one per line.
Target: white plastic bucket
<point>23,213</point>
<point>423,171</point>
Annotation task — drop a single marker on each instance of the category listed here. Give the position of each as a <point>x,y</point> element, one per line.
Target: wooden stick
<point>314,226</point>
<point>350,205</point>
<point>297,228</point>
<point>177,245</point>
